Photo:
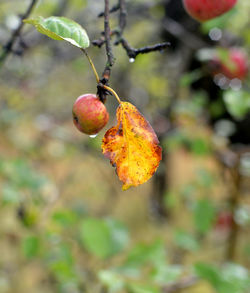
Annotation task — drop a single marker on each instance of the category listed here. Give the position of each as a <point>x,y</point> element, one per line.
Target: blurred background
<point>65,224</point>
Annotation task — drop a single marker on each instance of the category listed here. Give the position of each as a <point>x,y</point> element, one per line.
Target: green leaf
<point>204,178</point>
<point>204,214</point>
<point>208,273</point>
<point>65,218</point>
<point>231,278</point>
<point>200,146</point>
<point>112,280</point>
<point>141,288</point>
<point>103,238</point>
<point>146,253</point>
<point>21,175</point>
<point>238,276</point>
<point>237,103</point>
<point>61,28</point>
<point>190,77</point>
<point>186,241</point>
<point>165,274</point>
<point>10,194</point>
<point>119,234</point>
<point>30,246</point>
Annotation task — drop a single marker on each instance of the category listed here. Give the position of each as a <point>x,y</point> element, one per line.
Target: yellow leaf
<point>132,146</point>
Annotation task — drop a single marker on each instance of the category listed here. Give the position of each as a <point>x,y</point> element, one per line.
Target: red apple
<point>203,10</point>
<point>235,66</point>
<point>89,114</point>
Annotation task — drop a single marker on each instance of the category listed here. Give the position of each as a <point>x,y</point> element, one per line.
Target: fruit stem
<point>92,65</point>
<point>113,93</point>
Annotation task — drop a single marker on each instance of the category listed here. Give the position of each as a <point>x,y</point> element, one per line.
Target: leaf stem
<point>92,65</point>
<point>113,93</point>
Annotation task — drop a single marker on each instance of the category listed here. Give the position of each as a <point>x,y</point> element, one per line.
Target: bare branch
<point>122,16</point>
<point>113,9</point>
<point>133,52</point>
<point>110,57</point>
<point>106,36</point>
<point>101,41</point>
<point>177,30</point>
<point>7,49</point>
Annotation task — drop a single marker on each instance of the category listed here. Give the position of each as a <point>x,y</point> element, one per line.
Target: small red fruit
<point>224,221</point>
<point>89,114</point>
<point>203,10</point>
<point>236,66</point>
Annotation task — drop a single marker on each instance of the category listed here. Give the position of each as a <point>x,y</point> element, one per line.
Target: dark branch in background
<point>106,36</point>
<point>133,52</point>
<point>122,17</point>
<point>7,49</point>
<point>178,31</point>
<point>110,57</point>
<point>113,9</point>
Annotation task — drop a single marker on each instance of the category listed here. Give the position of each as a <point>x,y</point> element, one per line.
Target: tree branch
<point>133,52</point>
<point>110,57</point>
<point>188,38</point>
<point>7,49</point>
<point>106,37</point>
<point>101,41</point>
<point>113,9</point>
<point>122,16</point>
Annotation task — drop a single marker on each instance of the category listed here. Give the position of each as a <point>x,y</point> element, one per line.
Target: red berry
<point>89,114</point>
<point>203,10</point>
<point>224,220</point>
<point>236,66</point>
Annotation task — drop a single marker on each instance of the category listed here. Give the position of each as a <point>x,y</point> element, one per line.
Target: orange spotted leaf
<point>132,146</point>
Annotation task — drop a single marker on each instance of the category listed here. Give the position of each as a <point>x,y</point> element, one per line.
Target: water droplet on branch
<point>131,60</point>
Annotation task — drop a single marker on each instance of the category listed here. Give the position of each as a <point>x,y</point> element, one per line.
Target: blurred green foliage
<point>65,225</point>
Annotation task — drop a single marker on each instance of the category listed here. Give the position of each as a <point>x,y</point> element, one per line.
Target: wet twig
<point>122,16</point>
<point>113,9</point>
<point>8,48</point>
<point>120,40</point>
<point>133,52</point>
<point>110,56</point>
<point>101,41</point>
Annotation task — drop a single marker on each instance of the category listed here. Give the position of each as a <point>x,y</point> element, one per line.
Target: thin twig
<point>122,16</point>
<point>101,41</point>
<point>7,49</point>
<point>106,37</point>
<point>110,57</point>
<point>113,9</point>
<point>133,52</point>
